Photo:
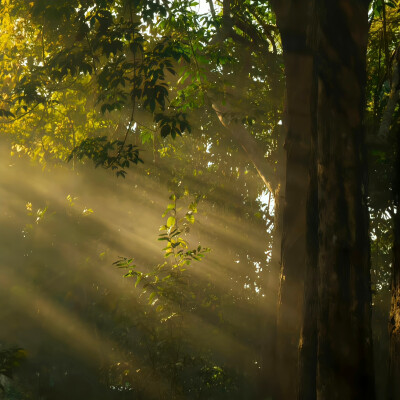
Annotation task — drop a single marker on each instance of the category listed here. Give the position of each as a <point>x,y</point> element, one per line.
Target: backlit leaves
<point>164,282</point>
<point>116,154</point>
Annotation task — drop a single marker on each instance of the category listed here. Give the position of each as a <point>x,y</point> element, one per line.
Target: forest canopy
<point>199,200</point>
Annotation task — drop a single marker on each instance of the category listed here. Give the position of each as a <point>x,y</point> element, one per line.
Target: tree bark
<point>394,320</point>
<point>345,364</point>
<point>308,344</point>
<point>309,335</point>
<point>292,20</point>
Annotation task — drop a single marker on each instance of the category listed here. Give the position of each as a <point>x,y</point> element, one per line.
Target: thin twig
<point>212,9</point>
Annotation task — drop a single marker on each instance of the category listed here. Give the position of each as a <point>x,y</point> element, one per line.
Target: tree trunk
<point>309,339</point>
<point>292,20</point>
<point>293,229</point>
<point>394,322</point>
<point>345,368</point>
<point>309,336</point>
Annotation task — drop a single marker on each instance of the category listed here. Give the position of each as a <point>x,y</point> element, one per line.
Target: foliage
<point>126,77</point>
<point>384,40</point>
<point>100,151</point>
<point>167,282</point>
<point>171,289</point>
<point>165,60</point>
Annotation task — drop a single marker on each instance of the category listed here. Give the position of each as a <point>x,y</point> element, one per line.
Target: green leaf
<point>152,297</point>
<point>190,218</point>
<point>138,279</point>
<point>165,131</point>
<point>171,222</point>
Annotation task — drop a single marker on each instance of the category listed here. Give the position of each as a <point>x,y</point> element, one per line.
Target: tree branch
<point>250,146</point>
<point>249,30</point>
<point>267,29</point>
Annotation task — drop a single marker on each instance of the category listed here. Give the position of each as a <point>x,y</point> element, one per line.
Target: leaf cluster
<point>116,154</point>
<point>168,284</point>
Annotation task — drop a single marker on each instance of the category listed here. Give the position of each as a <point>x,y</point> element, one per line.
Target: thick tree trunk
<point>309,335</point>
<point>293,225</point>
<point>292,20</point>
<point>345,368</point>
<point>394,322</point>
